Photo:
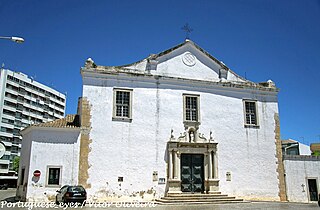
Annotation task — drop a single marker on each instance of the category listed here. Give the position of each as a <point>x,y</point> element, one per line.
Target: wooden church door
<point>192,173</point>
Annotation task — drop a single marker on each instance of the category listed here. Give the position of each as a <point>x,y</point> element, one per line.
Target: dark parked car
<point>3,186</point>
<point>68,194</point>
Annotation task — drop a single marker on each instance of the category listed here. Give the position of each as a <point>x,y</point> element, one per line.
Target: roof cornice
<point>124,74</point>
<point>124,71</point>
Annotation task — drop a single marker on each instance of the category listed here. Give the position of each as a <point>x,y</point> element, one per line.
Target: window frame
<point>185,96</point>
<point>256,114</point>
<point>114,114</point>
<point>48,175</point>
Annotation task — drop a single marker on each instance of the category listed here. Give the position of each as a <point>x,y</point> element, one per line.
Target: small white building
<point>176,122</point>
<point>302,172</point>
<point>51,148</point>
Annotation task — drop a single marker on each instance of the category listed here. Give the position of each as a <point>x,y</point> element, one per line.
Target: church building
<point>177,122</point>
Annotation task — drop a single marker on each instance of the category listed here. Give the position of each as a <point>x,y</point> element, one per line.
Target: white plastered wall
<point>50,147</point>
<point>133,150</point>
<point>297,174</point>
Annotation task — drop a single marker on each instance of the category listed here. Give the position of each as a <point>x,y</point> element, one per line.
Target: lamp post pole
<point>13,38</point>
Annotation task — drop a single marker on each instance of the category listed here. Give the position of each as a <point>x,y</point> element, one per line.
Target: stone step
<point>198,202</point>
<point>215,201</point>
<point>216,198</point>
<point>198,197</point>
<point>194,194</point>
<point>201,199</point>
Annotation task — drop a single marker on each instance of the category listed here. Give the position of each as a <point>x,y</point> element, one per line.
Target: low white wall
<point>298,169</point>
<point>51,147</point>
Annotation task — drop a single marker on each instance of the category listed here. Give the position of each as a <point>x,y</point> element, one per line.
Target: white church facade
<point>177,122</point>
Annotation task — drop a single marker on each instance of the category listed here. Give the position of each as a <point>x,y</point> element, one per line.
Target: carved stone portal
<point>192,142</point>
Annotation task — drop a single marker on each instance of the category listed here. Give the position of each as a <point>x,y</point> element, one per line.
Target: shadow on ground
<point>10,199</point>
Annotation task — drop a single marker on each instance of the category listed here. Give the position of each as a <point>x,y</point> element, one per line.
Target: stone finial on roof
<point>268,84</point>
<point>152,62</point>
<point>90,63</point>
<point>271,83</point>
<point>152,56</point>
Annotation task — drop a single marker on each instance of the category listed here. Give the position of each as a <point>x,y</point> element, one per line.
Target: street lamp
<point>13,38</point>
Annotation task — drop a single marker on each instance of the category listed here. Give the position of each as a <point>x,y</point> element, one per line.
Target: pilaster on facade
<point>85,141</point>
<point>280,169</point>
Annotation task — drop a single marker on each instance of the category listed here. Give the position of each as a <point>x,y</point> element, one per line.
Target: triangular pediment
<point>186,60</point>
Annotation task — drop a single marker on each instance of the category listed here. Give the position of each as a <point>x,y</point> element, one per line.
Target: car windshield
<point>76,189</point>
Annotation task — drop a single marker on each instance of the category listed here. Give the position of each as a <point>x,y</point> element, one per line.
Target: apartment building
<point>23,102</point>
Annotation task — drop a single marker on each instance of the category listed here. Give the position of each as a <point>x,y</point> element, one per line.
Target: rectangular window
<point>191,108</point>
<point>250,110</point>
<point>122,104</point>
<point>54,175</point>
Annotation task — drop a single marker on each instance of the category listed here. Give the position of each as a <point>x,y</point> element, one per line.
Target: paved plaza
<point>241,206</point>
<point>8,195</point>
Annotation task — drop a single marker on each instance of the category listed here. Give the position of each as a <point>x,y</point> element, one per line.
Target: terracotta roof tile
<point>70,121</point>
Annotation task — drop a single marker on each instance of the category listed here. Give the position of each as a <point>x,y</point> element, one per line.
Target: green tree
<point>316,153</point>
<point>15,163</point>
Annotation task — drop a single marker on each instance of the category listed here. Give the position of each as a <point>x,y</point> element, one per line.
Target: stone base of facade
<point>212,186</point>
<point>174,187</point>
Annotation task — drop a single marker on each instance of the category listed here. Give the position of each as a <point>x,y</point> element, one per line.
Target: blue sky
<point>259,39</point>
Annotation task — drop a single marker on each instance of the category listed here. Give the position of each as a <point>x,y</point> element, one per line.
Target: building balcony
<point>5,134</point>
<point>57,101</point>
<point>16,144</point>
<point>12,92</point>
<point>8,116</point>
<point>25,121</point>
<point>10,108</point>
<point>4,171</point>
<point>13,83</point>
<point>10,100</point>
<point>4,162</point>
<point>22,84</point>
<point>6,125</point>
<point>7,144</point>
<point>16,134</point>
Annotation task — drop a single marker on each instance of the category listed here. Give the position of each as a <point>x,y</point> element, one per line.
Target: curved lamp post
<point>13,38</point>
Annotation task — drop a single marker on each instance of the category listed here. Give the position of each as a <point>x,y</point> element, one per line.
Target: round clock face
<point>189,59</point>
<point>2,149</point>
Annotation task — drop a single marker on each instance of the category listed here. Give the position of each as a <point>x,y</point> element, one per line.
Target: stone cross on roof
<point>187,29</point>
